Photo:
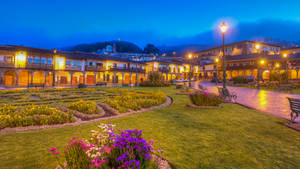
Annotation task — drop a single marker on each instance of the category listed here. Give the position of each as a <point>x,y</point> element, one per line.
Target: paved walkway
<point>275,103</point>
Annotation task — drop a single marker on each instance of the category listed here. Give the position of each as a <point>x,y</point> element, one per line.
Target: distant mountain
<point>182,50</point>
<point>121,46</point>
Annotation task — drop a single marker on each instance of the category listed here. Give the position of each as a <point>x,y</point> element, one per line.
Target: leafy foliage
<point>200,98</point>
<point>155,79</point>
<point>87,107</point>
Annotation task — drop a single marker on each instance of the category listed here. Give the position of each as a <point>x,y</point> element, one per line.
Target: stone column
<point>167,79</point>
<point>136,79</point>
<point>45,82</point>
<point>31,82</point>
<point>71,81</point>
<point>95,73</point>
<point>17,78</point>
<point>130,78</point>
<point>114,79</point>
<point>83,77</point>
<point>123,79</point>
<point>1,78</point>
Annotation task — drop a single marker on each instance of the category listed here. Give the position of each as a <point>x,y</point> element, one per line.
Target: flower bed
<point>134,100</point>
<point>109,148</point>
<point>12,116</point>
<point>86,107</point>
<point>201,98</point>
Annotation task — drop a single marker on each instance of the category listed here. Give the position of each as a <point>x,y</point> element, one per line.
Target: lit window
<point>43,60</point>
<point>49,62</point>
<point>30,59</point>
<point>37,60</point>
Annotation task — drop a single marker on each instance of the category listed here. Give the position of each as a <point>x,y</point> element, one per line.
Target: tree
<point>150,48</point>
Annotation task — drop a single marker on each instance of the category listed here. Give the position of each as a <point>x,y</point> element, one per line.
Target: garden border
<point>168,102</point>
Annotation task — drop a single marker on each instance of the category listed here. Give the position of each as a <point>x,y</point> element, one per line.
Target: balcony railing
<point>73,68</point>
<point>123,69</point>
<point>7,65</point>
<point>164,70</point>
<point>39,66</point>
<point>94,68</point>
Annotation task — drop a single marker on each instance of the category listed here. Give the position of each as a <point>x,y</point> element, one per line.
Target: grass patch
<point>230,137</point>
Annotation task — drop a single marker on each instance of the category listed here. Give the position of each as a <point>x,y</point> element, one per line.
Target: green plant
<point>155,79</point>
<point>204,99</point>
<point>87,107</point>
<point>240,80</point>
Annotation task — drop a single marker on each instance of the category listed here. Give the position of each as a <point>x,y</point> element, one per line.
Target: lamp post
<point>217,60</point>
<point>190,56</point>
<point>257,47</point>
<point>223,28</point>
<point>53,79</point>
<point>285,57</point>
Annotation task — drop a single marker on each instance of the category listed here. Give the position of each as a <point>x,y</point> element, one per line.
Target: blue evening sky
<point>54,23</point>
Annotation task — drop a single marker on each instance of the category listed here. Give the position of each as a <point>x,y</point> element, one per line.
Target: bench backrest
<point>220,91</point>
<point>226,91</point>
<point>294,104</point>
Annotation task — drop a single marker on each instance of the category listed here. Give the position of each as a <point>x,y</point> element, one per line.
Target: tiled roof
<point>71,55</point>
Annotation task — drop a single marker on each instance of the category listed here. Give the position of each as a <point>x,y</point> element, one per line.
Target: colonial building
<point>25,66</point>
<point>242,58</point>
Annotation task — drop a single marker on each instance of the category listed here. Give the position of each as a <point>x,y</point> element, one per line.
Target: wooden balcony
<point>7,65</point>
<point>164,70</point>
<point>123,69</point>
<point>73,68</point>
<point>39,66</point>
<point>94,68</point>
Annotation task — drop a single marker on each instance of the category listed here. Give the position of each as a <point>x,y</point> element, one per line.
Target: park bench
<point>201,87</point>
<point>37,85</point>
<point>226,95</point>
<point>286,87</point>
<point>295,108</point>
<point>101,84</point>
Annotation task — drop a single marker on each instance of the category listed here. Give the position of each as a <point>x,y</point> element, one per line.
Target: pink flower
<point>57,152</point>
<point>106,148</point>
<point>52,149</point>
<point>151,141</point>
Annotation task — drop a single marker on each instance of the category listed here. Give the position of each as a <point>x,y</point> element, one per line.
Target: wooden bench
<point>37,85</point>
<point>295,108</point>
<point>226,95</point>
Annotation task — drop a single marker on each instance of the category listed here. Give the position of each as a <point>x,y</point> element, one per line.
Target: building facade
<point>243,59</point>
<point>28,67</point>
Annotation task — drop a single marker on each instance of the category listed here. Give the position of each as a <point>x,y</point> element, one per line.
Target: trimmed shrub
<point>200,98</point>
<point>155,79</point>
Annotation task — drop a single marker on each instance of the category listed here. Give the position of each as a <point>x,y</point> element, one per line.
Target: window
<point>37,60</point>
<point>49,62</point>
<point>68,63</point>
<point>43,60</point>
<point>30,59</point>
<point>90,63</point>
<point>114,65</point>
<point>77,63</point>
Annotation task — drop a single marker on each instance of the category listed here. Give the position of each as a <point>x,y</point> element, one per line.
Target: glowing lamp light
<point>155,64</point>
<point>284,55</point>
<point>223,27</point>
<point>217,60</point>
<point>262,62</point>
<point>257,46</point>
<point>277,65</point>
<point>190,56</point>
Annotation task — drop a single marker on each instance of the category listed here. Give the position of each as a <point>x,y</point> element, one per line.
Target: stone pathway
<point>275,103</point>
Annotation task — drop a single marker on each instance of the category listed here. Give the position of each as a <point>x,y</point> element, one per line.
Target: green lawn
<point>230,137</point>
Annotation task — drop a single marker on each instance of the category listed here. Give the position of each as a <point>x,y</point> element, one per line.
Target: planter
<point>203,107</point>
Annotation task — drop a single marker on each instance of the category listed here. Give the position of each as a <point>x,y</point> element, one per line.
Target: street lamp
<point>190,56</point>
<point>223,29</point>
<point>217,60</point>
<point>285,57</point>
<point>257,47</point>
